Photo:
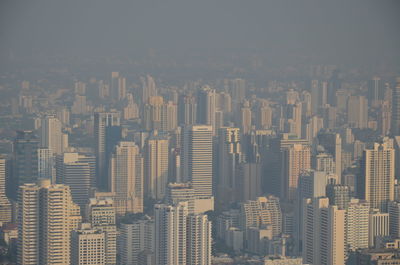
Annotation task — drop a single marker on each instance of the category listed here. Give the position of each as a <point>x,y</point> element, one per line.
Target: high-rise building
<point>46,164</point>
<point>107,133</point>
<point>136,237</point>
<point>338,195</point>
<point>378,226</point>
<point>323,233</point>
<point>170,233</point>
<point>296,159</point>
<point>357,225</point>
<point>198,159</point>
<point>245,117</point>
<point>101,215</point>
<point>199,240</point>
<point>395,124</point>
<point>148,88</point>
<point>357,112</point>
<point>51,134</point>
<point>46,217</point>
<point>261,212</point>
<point>394,218</point>
<point>181,192</point>
<point>377,176</point>
<point>25,159</point>
<point>126,178</point>
<point>5,205</point>
<point>88,246</point>
<point>156,166</point>
<point>206,107</point>
<point>229,158</point>
<point>187,110</point>
<point>248,186</point>
<point>376,90</point>
<point>332,143</point>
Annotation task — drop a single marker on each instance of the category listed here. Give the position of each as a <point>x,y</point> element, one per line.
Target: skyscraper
<point>187,108</point>
<point>199,240</point>
<point>394,218</point>
<point>170,233</point>
<point>156,166</point>
<point>88,246</point>
<point>357,112</point>
<point>357,225</point>
<point>51,136</point>
<point>395,125</point>
<point>107,133</point>
<point>46,216</point>
<point>5,205</point>
<point>378,226</point>
<point>25,159</point>
<point>296,159</point>
<point>206,107</point>
<point>46,164</point>
<point>323,233</point>
<point>126,178</point>
<point>198,159</point>
<point>377,176</point>
<point>229,158</point>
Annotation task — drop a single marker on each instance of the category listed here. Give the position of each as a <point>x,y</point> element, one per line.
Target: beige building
<point>88,246</point>
<point>377,184</point>
<point>47,216</point>
<point>5,205</point>
<point>51,136</point>
<point>156,166</point>
<point>323,233</point>
<point>126,178</point>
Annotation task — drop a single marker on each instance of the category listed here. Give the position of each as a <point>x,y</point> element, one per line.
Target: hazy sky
<point>359,30</point>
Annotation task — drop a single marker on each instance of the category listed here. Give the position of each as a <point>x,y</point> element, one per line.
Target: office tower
<point>156,166</point>
<point>229,158</point>
<point>101,215</point>
<point>170,233</point>
<point>377,176</point>
<point>206,107</point>
<point>51,135</point>
<point>332,143</point>
<point>292,115</point>
<point>76,171</point>
<point>153,113</point>
<point>395,125</point>
<point>126,178</point>
<point>136,237</point>
<point>384,118</point>
<point>264,117</point>
<point>319,95</point>
<point>181,192</point>
<point>118,86</point>
<point>357,225</point>
<point>394,218</point>
<point>338,195</point>
<point>131,109</point>
<point>25,159</point>
<point>323,233</point>
<point>248,185</point>
<point>261,212</point>
<point>170,116</point>
<point>245,117</point>
<point>46,164</point>
<point>87,246</point>
<point>357,112</point>
<point>376,90</point>
<point>107,133</point>
<point>314,125</point>
<point>187,110</point>
<point>324,162</point>
<point>295,160</point>
<point>46,217</point>
<point>198,159</point>
<point>378,226</point>
<point>148,88</point>
<point>225,102</point>
<point>198,240</point>
<point>121,88</point>
<point>312,184</point>
<point>5,205</point>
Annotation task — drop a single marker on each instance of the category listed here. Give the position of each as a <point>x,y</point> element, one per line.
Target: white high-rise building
<point>47,215</point>
<point>198,159</point>
<point>323,233</point>
<point>5,205</point>
<point>156,166</point>
<point>136,238</point>
<point>181,192</point>
<point>357,225</point>
<point>377,183</point>
<point>378,225</point>
<point>51,136</point>
<point>170,233</point>
<point>101,214</point>
<point>126,178</point>
<point>199,240</point>
<point>88,246</point>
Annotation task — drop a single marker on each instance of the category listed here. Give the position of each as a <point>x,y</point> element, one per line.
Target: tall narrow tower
<point>51,135</point>
<point>395,126</point>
